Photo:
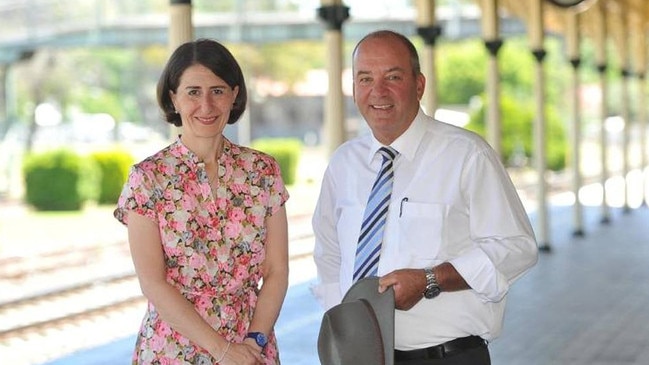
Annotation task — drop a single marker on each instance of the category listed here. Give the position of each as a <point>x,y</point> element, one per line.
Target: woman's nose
<point>207,103</point>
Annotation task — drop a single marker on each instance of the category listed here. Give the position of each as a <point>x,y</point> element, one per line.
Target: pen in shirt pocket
<point>401,206</point>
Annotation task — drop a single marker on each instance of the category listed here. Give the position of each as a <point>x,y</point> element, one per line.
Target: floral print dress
<point>213,241</point>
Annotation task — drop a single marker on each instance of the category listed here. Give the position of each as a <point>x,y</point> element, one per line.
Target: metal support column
<point>494,125</point>
<point>626,136</point>
<point>429,32</point>
<point>536,33</point>
<point>640,61</point>
<point>642,123</point>
<point>572,39</point>
<point>601,59</point>
<point>622,42</point>
<point>493,43</point>
<point>181,31</point>
<point>334,14</point>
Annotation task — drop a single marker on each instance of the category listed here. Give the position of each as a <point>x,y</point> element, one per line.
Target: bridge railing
<point>92,23</point>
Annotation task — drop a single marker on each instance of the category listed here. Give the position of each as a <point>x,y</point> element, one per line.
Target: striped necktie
<point>376,212</point>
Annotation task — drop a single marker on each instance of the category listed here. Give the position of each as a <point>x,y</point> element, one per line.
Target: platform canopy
<point>622,23</point>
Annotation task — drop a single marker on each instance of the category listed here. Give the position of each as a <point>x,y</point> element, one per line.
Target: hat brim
<point>383,306</point>
<point>360,330</point>
<point>350,335</point>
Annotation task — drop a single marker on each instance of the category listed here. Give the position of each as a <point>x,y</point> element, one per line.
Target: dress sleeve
<point>278,195</point>
<point>138,195</point>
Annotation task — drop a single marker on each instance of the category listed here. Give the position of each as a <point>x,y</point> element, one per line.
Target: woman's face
<point>204,102</point>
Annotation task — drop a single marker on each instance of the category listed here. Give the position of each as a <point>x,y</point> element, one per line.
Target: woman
<point>207,225</point>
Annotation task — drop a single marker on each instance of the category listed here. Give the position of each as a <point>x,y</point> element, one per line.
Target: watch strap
<point>432,287</point>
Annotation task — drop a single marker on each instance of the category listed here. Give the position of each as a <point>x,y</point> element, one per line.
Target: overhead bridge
<point>250,28</point>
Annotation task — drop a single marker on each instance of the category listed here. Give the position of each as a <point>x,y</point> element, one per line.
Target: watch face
<point>432,292</point>
<point>262,340</point>
<point>259,337</point>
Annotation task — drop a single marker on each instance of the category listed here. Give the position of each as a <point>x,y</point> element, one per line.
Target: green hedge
<point>63,180</point>
<point>59,180</point>
<point>518,120</point>
<point>287,153</point>
<point>114,166</point>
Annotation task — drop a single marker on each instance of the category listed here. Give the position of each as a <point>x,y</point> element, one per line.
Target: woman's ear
<point>235,90</point>
<point>172,96</point>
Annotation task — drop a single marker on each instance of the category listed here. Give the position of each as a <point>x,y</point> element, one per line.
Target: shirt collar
<point>408,142</point>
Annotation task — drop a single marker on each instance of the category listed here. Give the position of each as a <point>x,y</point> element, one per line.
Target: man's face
<point>386,92</point>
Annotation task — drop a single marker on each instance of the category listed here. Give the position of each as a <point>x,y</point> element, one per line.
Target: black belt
<point>441,351</point>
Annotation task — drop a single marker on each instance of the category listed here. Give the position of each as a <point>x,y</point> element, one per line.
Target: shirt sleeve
<point>326,253</point>
<point>505,244</point>
<point>137,195</point>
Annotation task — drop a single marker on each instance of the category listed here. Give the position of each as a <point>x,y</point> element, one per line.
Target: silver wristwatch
<point>432,288</point>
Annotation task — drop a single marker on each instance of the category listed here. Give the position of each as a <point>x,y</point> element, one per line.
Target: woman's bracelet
<point>224,352</point>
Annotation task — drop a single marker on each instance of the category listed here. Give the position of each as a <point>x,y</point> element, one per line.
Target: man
<point>456,235</point>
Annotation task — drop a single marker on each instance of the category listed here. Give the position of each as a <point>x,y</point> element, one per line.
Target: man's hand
<point>408,284</point>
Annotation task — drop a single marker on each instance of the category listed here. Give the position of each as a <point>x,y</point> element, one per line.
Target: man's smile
<point>382,106</point>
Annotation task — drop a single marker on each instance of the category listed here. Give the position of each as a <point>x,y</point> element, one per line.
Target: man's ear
<point>421,85</point>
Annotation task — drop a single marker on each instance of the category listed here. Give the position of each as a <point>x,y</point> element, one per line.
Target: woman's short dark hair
<point>214,56</point>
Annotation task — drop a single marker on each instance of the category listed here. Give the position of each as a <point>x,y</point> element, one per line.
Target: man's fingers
<point>387,281</point>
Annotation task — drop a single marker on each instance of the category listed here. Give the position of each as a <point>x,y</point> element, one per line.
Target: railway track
<point>17,267</point>
<point>77,302</point>
<point>63,289</point>
<point>54,303</point>
<point>68,305</point>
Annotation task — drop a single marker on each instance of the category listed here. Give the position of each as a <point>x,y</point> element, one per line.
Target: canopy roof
<point>623,23</point>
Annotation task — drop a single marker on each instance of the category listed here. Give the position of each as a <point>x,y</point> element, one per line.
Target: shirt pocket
<point>421,231</point>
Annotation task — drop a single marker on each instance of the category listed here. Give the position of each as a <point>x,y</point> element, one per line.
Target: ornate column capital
<point>493,46</point>
<point>334,15</point>
<point>429,33</point>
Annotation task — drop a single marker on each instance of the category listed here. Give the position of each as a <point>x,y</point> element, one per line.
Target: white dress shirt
<point>452,200</point>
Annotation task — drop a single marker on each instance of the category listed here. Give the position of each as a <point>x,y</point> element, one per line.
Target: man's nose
<point>380,87</point>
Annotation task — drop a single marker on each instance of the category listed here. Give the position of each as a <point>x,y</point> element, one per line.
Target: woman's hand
<point>241,354</point>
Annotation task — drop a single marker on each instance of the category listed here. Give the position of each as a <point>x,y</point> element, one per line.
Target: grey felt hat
<point>360,330</point>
